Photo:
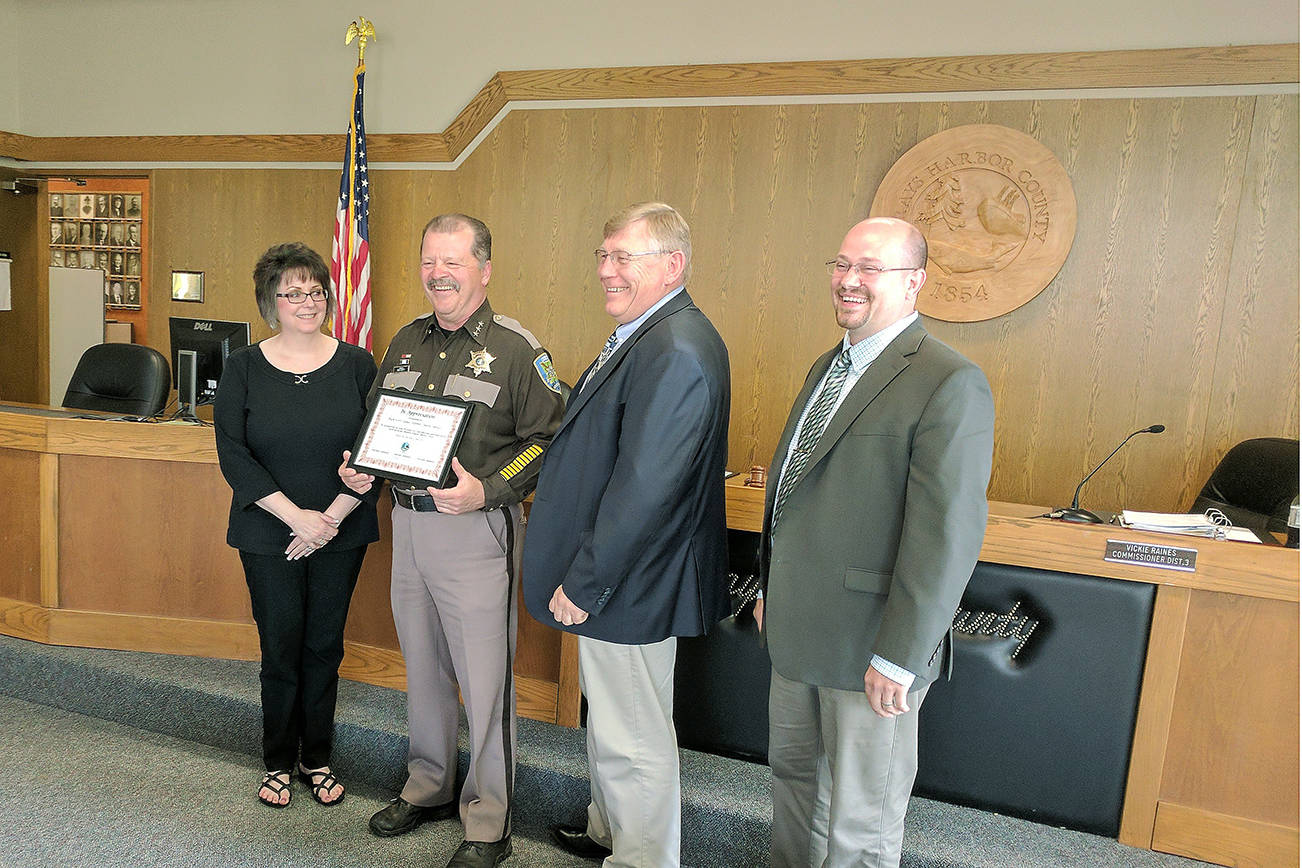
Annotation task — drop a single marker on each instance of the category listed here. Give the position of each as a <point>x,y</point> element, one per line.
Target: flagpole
<point>350,256</point>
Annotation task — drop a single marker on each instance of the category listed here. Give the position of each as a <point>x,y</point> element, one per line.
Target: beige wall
<point>1178,303</point>
<point>159,67</point>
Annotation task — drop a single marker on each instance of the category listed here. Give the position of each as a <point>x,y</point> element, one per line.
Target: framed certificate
<point>410,438</point>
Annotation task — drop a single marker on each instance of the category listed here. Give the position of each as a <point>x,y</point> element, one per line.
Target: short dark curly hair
<point>297,259</point>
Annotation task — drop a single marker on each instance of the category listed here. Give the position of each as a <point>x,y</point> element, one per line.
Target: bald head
<point>912,243</point>
<point>885,263</point>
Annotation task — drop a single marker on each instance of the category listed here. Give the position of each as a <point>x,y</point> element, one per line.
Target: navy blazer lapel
<point>577,401</point>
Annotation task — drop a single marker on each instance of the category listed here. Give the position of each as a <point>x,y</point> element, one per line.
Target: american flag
<point>350,259</point>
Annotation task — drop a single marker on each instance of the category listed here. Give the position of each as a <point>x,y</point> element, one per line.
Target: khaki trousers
<point>636,807</point>
<point>453,594</point>
<point>841,776</point>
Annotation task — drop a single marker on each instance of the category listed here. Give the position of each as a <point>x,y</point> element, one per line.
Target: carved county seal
<point>998,211</point>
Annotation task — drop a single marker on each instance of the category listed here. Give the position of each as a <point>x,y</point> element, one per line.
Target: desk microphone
<point>1083,516</point>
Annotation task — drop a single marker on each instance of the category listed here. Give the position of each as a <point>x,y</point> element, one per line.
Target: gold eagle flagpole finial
<point>362,30</point>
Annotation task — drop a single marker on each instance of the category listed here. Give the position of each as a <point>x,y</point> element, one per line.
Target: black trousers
<point>300,608</point>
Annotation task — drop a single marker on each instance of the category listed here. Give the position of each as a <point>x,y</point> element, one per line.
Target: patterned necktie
<point>811,430</point>
<point>606,352</point>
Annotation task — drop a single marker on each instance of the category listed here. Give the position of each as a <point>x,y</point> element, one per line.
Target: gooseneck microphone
<point>1074,513</point>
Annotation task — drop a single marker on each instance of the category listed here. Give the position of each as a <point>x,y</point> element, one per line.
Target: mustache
<point>441,283</point>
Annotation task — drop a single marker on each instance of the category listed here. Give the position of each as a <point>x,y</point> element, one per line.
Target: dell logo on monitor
<point>203,326</point>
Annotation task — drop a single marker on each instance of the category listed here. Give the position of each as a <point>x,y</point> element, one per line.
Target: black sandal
<point>321,781</point>
<point>272,781</point>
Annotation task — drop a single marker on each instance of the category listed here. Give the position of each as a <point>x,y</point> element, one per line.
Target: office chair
<point>130,379</point>
<point>1254,484</point>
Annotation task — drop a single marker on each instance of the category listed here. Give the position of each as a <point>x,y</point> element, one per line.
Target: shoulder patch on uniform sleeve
<point>543,364</point>
<point>514,325</point>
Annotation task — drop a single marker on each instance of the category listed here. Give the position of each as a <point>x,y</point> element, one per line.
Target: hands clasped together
<point>311,530</point>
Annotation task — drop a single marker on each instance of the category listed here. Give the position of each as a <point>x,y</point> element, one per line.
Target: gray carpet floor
<point>113,758</point>
<point>79,791</point>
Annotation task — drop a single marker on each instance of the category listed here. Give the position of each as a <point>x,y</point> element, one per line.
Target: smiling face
<point>866,305</point>
<point>455,283</point>
<point>309,316</point>
<point>632,289</point>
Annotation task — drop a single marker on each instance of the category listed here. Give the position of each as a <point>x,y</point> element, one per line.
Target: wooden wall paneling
<point>402,202</point>
<point>219,222</point>
<point>1106,348</point>
<point>1254,373</point>
<point>1233,743</point>
<point>24,329</point>
<point>536,184</point>
<point>370,616</point>
<point>1128,333</point>
<point>108,530</point>
<point>20,529</point>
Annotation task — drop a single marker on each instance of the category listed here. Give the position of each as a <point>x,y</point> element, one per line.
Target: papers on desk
<point>1212,524</point>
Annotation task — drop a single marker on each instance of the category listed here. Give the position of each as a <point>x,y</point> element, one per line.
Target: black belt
<point>415,502</point>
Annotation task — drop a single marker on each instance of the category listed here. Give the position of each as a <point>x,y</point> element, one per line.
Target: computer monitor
<point>210,341</point>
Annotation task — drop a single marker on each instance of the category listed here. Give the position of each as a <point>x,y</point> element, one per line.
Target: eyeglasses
<point>623,257</point>
<point>839,268</point>
<point>298,296</point>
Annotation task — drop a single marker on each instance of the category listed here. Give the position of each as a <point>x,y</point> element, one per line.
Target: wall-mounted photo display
<point>100,224</point>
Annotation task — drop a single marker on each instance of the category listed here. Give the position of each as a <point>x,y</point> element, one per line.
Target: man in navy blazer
<point>626,545</point>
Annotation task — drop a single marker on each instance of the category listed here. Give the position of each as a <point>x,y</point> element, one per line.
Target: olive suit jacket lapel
<point>886,367</point>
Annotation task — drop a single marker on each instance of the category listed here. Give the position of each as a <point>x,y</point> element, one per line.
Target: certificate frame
<point>411,438</point>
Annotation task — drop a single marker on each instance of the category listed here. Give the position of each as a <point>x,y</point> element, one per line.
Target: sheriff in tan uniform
<point>455,550</point>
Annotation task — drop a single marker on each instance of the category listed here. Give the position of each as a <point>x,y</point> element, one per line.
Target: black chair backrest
<point>1254,484</point>
<point>130,379</point>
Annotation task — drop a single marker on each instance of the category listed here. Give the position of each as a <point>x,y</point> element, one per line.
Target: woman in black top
<point>286,408</point>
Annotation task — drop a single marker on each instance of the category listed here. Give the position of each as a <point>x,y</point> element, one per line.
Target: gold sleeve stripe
<point>521,462</point>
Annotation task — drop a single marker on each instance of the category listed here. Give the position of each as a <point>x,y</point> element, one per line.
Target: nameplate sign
<point>1150,555</point>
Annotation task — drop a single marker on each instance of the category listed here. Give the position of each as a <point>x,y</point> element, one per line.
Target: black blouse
<point>278,431</point>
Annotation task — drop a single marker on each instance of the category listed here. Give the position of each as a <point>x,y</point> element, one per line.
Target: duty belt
<point>415,501</point>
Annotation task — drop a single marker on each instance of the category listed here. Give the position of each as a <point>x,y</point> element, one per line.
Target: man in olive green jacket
<point>874,517</point>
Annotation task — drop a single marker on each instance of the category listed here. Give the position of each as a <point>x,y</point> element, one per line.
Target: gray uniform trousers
<point>841,776</point>
<point>453,594</point>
